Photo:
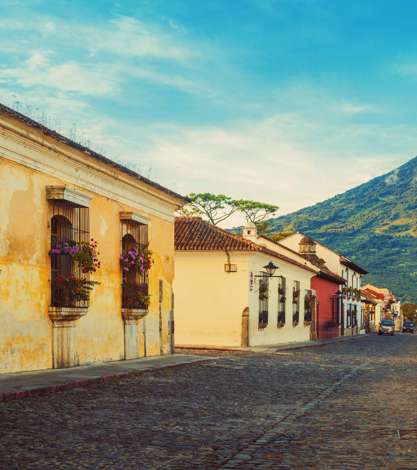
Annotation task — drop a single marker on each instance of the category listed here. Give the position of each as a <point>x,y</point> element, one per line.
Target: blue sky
<point>284,101</point>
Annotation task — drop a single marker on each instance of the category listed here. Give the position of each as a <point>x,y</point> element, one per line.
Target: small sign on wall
<point>251,282</point>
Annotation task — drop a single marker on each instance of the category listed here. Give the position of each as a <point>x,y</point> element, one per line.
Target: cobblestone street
<point>345,405</point>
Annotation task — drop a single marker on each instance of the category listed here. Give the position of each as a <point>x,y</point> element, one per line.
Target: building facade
<point>351,319</point>
<point>224,297</point>
<point>68,218</point>
<point>325,284</point>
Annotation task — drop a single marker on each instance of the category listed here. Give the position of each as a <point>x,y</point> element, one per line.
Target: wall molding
<point>112,185</point>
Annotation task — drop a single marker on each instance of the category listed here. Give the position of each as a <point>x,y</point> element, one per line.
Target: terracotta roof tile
<point>195,234</point>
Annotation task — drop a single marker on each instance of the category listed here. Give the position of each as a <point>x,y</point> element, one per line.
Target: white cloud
<point>67,76</point>
<point>347,107</point>
<point>131,37</point>
<point>121,37</point>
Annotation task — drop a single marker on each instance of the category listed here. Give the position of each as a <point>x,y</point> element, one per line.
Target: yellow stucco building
<point>55,196</point>
<point>224,299</point>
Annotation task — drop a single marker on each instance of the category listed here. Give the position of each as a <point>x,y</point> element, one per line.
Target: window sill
<point>133,313</point>
<point>66,313</point>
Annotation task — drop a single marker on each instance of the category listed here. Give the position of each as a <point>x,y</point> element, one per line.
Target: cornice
<point>83,174</point>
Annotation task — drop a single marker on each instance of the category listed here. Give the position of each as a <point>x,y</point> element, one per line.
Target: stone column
<point>64,326</point>
<point>131,318</point>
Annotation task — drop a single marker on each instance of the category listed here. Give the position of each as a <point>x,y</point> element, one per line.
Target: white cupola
<point>250,232</point>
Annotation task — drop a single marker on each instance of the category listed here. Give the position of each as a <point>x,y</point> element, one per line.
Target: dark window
<point>69,225</point>
<point>282,295</point>
<point>309,302</point>
<point>296,303</point>
<point>263,301</point>
<point>135,284</point>
<point>349,316</point>
<point>355,316</point>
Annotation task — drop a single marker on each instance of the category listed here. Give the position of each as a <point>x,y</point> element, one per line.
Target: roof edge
<point>86,150</point>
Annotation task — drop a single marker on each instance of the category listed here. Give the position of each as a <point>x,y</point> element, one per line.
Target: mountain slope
<point>375,224</point>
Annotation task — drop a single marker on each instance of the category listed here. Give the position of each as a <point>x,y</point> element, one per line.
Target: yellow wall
<point>25,327</point>
<point>208,301</point>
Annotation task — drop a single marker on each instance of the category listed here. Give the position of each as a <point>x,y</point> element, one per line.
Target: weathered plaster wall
<point>271,334</point>
<point>25,328</point>
<point>208,301</point>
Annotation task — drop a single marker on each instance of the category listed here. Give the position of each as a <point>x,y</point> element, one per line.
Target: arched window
<point>135,291</point>
<point>61,264</point>
<point>69,228</point>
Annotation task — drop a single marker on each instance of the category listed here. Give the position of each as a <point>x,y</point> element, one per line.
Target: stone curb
<point>318,344</point>
<point>49,389</point>
<point>276,348</point>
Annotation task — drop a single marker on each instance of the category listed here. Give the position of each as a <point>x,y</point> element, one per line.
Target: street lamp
<point>270,268</point>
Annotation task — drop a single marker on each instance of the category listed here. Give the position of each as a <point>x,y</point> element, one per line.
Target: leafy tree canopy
<point>219,207</point>
<point>409,310</point>
<point>215,207</point>
<point>254,211</point>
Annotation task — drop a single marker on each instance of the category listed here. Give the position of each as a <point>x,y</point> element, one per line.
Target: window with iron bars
<point>69,223</point>
<point>296,303</point>
<point>263,301</point>
<point>135,285</point>
<point>309,300</point>
<point>282,293</point>
<point>349,315</point>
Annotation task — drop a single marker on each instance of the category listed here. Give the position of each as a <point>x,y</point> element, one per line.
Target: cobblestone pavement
<point>342,406</point>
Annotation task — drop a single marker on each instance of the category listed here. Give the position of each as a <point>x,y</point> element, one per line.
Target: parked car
<point>386,327</point>
<point>408,327</point>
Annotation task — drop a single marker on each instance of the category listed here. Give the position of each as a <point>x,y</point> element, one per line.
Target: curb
<point>320,345</point>
<point>276,348</point>
<point>50,389</point>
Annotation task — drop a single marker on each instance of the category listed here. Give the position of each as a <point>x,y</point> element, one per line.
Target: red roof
<point>195,234</point>
<point>373,294</point>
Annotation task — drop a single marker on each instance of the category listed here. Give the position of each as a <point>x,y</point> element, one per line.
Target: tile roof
<point>314,260</point>
<point>371,294</point>
<point>325,272</point>
<point>65,140</point>
<point>350,264</point>
<point>195,234</point>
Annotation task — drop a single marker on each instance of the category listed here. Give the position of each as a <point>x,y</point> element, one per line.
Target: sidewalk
<point>23,384</point>
<point>305,344</point>
<point>273,348</point>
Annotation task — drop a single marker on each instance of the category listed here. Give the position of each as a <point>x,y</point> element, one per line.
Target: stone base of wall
<point>131,318</point>
<point>64,324</point>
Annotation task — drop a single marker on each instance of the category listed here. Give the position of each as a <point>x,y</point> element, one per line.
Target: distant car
<point>408,327</point>
<point>386,327</point>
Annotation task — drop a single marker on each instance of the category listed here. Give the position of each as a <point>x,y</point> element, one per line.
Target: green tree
<point>256,212</point>
<point>409,311</point>
<point>219,207</point>
<point>278,236</point>
<point>215,207</point>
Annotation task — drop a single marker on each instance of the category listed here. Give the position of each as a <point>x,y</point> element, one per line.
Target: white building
<point>223,296</point>
<point>351,315</point>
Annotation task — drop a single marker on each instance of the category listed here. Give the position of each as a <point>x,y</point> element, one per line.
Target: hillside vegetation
<point>375,224</point>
